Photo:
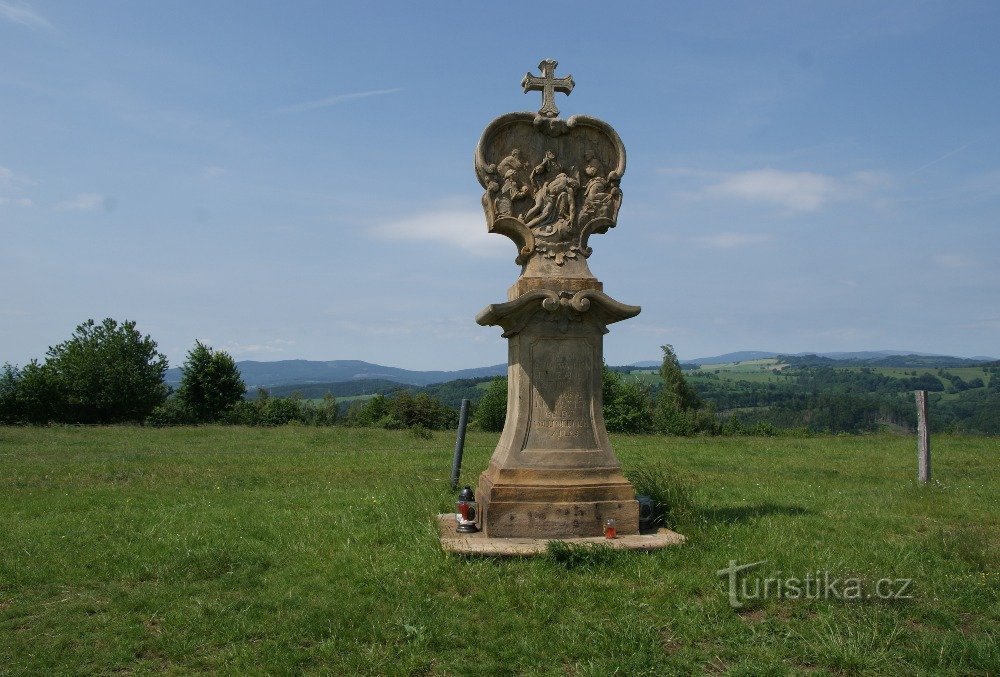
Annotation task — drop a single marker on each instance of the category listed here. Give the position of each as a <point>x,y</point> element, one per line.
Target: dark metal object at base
<point>466,512</point>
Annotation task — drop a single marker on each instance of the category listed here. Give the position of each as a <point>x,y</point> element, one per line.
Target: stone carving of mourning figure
<point>549,166</point>
<point>509,192</point>
<point>555,207</point>
<point>597,196</point>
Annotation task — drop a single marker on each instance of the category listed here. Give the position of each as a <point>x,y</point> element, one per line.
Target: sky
<point>294,180</point>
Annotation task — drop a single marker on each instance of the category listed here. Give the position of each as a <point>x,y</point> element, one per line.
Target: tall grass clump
<point>671,494</point>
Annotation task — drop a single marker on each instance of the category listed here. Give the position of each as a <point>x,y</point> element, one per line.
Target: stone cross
<point>548,85</point>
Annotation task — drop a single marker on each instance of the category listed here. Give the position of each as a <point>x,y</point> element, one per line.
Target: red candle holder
<point>610,528</point>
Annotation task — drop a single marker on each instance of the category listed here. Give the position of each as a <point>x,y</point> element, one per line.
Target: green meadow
<point>298,549</point>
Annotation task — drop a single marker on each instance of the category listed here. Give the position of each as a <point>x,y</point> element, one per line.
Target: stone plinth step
<point>479,544</point>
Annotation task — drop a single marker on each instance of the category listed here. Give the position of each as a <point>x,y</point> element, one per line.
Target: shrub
<point>627,404</point>
<point>491,412</point>
<point>173,411</point>
<point>210,383</point>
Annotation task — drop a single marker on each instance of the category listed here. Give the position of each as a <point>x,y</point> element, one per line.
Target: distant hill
<point>882,358</point>
<point>378,378</point>
<point>302,372</point>
<point>875,360</point>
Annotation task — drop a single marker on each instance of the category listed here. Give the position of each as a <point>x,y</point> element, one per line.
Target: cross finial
<point>548,84</point>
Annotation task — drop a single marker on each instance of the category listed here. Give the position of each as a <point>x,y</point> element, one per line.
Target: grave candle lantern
<point>466,512</point>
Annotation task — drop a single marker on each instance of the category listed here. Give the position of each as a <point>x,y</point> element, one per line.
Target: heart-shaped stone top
<point>550,183</point>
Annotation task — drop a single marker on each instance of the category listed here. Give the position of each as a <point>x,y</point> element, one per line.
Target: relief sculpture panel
<point>550,183</point>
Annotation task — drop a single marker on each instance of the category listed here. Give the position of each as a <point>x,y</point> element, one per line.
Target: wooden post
<point>923,439</point>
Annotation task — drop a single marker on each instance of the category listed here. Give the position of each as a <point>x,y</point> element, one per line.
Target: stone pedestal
<point>550,184</point>
<point>553,473</point>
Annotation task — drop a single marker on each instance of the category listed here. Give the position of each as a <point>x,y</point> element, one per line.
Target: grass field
<point>753,371</point>
<point>313,549</point>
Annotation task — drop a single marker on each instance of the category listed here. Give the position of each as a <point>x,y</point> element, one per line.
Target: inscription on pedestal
<point>561,395</point>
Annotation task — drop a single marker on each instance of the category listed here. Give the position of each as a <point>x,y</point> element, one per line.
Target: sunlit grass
<point>291,549</point>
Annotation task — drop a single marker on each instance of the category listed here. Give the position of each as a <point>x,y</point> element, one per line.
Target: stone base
<point>481,544</point>
<point>560,520</point>
<point>537,503</point>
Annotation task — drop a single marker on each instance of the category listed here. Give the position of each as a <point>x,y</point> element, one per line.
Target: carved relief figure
<point>512,162</point>
<point>555,207</point>
<point>510,192</point>
<point>597,196</point>
<point>548,167</point>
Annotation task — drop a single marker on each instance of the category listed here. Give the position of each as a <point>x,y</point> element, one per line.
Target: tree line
<point>630,406</point>
<point>109,372</point>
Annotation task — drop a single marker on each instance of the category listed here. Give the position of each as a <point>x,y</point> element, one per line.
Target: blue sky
<point>294,180</point>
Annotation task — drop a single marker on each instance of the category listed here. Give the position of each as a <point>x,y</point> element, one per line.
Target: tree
<point>678,409</point>
<point>107,373</point>
<point>627,404</point>
<point>491,412</point>
<point>210,383</point>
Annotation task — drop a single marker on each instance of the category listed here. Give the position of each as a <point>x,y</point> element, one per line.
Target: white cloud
<point>730,240</point>
<point>462,228</point>
<point>238,350</point>
<point>795,191</point>
<point>954,261</point>
<point>334,100</point>
<point>212,171</point>
<point>12,188</point>
<point>24,16</point>
<point>85,202</point>
<point>20,202</point>
<point>799,191</point>
<point>9,180</point>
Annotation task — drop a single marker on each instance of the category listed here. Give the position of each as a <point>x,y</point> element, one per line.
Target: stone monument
<point>551,184</point>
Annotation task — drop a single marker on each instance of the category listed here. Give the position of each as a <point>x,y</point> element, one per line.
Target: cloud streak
<point>793,191</point>
<point>953,261</point>
<point>334,100</point>
<point>237,350</point>
<point>461,228</point>
<point>23,16</point>
<point>85,202</point>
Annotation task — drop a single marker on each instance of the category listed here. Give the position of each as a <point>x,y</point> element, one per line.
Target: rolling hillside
<point>304,372</point>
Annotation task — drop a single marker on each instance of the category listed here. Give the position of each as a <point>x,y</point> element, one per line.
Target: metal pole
<point>923,439</point>
<point>456,464</point>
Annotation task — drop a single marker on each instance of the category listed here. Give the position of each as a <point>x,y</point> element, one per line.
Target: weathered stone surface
<point>550,184</point>
<point>481,544</point>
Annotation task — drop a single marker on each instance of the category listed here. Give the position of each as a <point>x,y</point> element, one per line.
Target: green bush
<point>210,383</point>
<point>402,409</point>
<point>491,412</point>
<point>30,395</point>
<point>628,405</point>
<point>173,411</point>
